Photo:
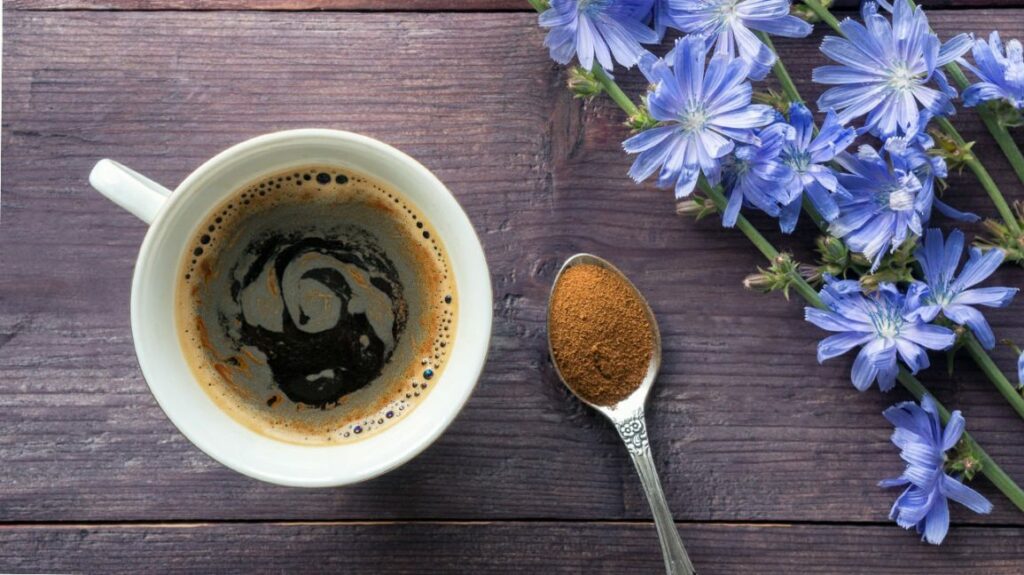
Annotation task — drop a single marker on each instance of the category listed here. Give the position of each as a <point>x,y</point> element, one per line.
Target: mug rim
<point>461,230</point>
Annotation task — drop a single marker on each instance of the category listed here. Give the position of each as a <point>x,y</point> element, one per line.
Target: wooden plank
<point>745,424</point>
<point>502,548</point>
<point>377,5</point>
<point>369,5</point>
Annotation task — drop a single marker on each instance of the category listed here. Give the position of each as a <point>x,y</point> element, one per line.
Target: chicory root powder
<point>600,335</point>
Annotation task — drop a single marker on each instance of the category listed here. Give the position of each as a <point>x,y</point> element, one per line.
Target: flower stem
<point>614,92</point>
<point>982,174</point>
<point>763,245</point>
<point>823,13</point>
<point>990,469</point>
<point>785,80</point>
<point>994,374</point>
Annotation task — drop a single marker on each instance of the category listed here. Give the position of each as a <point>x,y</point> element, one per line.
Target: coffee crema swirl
<point>316,306</point>
<point>326,313</point>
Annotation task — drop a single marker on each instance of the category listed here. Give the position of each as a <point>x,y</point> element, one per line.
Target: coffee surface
<point>316,306</point>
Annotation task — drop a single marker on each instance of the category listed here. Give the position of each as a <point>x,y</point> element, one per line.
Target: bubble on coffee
<point>317,306</point>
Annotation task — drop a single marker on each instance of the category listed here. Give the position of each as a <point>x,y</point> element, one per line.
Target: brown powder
<point>600,335</point>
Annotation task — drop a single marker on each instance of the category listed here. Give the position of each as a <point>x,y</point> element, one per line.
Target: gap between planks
<point>196,524</point>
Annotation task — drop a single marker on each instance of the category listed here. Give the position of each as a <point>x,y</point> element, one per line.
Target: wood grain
<point>498,547</point>
<point>369,5</point>
<point>745,424</point>
<point>379,5</point>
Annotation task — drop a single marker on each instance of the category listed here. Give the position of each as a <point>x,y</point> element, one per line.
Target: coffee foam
<point>327,263</point>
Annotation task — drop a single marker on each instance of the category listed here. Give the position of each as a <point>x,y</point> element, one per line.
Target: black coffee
<point>316,305</point>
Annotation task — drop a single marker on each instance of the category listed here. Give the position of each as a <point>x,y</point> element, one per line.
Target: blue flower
<point>953,295</point>
<point>703,114</point>
<point>884,203</point>
<point>1002,76</point>
<point>1020,369</point>
<point>884,69</point>
<point>923,444</point>
<point>599,29</point>
<point>755,174</point>
<point>728,24</point>
<point>661,16</point>
<point>910,153</point>
<point>807,154</point>
<point>885,322</point>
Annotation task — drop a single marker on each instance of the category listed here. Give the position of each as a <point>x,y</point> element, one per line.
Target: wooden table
<point>770,461</point>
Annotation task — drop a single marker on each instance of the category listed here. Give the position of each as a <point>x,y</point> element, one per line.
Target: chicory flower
<point>729,25</point>
<point>755,174</point>
<point>1020,369</point>
<point>1001,71</point>
<point>923,445</point>
<point>703,113</point>
<point>884,69</point>
<point>885,323</point>
<point>597,29</point>
<point>954,295</point>
<point>883,206</point>
<point>808,155</point>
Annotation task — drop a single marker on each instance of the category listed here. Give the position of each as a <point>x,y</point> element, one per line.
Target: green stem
<point>982,174</point>
<point>989,469</point>
<point>785,80</point>
<point>1003,138</point>
<point>763,245</point>
<point>823,13</point>
<point>994,374</point>
<point>614,92</point>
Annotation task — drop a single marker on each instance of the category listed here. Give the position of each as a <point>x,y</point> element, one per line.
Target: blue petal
<point>978,267</point>
<point>965,496</point>
<point>972,318</point>
<point>954,429</point>
<point>991,296</point>
<point>930,336</point>
<point>936,524</point>
<point>836,345</point>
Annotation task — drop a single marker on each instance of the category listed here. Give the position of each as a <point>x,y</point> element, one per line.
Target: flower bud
<point>583,84</point>
<point>696,207</point>
<point>999,236</point>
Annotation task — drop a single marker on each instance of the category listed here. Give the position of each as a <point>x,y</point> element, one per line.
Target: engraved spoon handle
<point>633,431</point>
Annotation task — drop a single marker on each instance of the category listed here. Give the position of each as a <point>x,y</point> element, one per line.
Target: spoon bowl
<point>636,400</point>
<point>628,417</point>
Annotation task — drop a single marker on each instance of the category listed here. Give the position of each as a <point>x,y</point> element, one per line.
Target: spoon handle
<point>633,431</point>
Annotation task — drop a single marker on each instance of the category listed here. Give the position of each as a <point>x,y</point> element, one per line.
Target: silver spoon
<point>628,418</point>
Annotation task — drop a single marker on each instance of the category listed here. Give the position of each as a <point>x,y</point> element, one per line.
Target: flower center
<point>902,78</point>
<point>693,118</point>
<point>887,321</point>
<point>939,298</point>
<point>799,160</point>
<point>592,6</point>
<point>900,195</point>
<point>727,10</point>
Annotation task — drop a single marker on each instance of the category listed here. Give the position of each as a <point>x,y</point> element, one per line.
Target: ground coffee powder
<point>600,335</point>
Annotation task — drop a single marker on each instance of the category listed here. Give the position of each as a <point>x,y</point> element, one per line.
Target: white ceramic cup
<point>173,219</point>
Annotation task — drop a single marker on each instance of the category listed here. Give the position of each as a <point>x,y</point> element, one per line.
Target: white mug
<point>173,219</point>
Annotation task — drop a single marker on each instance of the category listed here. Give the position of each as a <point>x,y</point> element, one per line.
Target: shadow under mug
<point>173,218</point>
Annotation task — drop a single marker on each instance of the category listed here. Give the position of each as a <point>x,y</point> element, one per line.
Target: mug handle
<point>129,189</point>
